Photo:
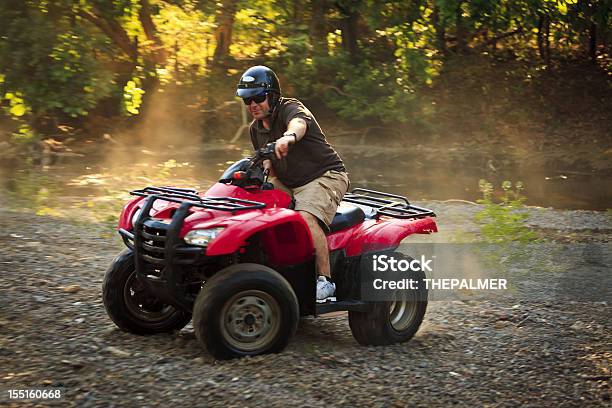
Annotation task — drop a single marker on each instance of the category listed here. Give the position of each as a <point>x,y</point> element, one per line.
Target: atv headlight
<point>202,237</point>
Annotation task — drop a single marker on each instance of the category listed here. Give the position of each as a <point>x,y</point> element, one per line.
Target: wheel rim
<point>403,311</point>
<point>250,320</point>
<point>142,305</point>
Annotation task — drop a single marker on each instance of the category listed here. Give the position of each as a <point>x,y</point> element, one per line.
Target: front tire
<point>245,310</point>
<point>392,321</point>
<point>131,307</point>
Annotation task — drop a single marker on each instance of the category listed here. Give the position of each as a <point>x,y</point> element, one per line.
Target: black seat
<point>346,216</point>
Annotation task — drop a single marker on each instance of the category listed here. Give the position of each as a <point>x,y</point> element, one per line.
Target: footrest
<point>351,305</point>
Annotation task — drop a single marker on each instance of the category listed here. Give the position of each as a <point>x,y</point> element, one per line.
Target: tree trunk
<point>226,14</point>
<point>158,53</point>
<point>541,37</point>
<point>154,56</point>
<point>176,61</point>
<point>547,38</point>
<point>493,40</point>
<point>350,27</point>
<point>349,34</point>
<point>461,45</point>
<point>440,30</point>
<point>318,27</point>
<point>112,29</point>
<point>115,31</point>
<point>593,43</point>
<point>297,14</point>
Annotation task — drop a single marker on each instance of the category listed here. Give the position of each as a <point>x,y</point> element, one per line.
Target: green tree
<point>368,59</point>
<point>64,57</point>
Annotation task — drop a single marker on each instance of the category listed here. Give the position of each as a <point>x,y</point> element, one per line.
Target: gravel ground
<point>538,346</point>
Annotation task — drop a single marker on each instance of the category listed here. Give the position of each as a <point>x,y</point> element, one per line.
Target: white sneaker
<point>325,288</point>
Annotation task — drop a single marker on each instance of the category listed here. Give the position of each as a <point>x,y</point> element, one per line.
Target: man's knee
<point>280,186</point>
<point>311,220</point>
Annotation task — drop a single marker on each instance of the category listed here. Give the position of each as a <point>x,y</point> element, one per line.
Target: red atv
<point>241,261</point>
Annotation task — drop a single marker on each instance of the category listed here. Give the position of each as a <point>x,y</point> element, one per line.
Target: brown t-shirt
<point>307,159</point>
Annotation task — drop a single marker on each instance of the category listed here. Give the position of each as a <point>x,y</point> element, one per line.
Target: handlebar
<point>251,171</point>
<point>265,153</point>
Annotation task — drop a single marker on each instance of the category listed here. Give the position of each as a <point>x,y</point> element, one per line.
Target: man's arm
<point>296,129</point>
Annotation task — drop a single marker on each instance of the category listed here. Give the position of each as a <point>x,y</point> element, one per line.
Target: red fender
<point>284,233</point>
<point>340,239</point>
<point>125,219</point>
<point>387,234</point>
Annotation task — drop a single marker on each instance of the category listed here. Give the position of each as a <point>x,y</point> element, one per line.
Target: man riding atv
<point>310,171</point>
<point>240,260</point>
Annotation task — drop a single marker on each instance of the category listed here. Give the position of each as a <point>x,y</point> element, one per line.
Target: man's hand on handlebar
<point>267,165</point>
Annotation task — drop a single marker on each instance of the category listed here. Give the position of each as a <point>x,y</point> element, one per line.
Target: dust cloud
<point>176,141</point>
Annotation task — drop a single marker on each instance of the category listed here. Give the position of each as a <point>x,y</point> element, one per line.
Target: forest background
<point>66,62</point>
<point>526,78</point>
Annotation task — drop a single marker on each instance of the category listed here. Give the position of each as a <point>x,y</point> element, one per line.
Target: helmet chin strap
<point>273,101</point>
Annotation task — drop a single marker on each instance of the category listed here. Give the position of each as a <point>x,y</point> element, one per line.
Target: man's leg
<point>319,242</point>
<point>325,286</point>
<point>321,197</point>
<point>280,186</point>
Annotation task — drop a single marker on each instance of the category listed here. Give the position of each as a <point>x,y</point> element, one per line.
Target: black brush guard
<point>159,252</point>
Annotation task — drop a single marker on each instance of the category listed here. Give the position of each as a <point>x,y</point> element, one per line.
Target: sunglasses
<point>257,99</point>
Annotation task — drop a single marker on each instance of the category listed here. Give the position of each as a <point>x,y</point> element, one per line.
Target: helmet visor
<point>249,92</point>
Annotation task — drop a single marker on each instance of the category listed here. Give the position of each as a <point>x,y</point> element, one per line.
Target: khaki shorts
<point>321,196</point>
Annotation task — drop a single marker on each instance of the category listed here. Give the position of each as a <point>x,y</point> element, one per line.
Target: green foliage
<point>256,27</point>
<point>49,62</point>
<point>298,65</point>
<point>25,134</point>
<point>504,221</point>
<point>188,33</point>
<point>62,59</point>
<point>132,96</point>
<point>16,105</point>
<point>367,90</point>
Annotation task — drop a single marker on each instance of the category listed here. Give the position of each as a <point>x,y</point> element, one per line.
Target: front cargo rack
<point>183,195</point>
<point>387,204</point>
<point>158,248</point>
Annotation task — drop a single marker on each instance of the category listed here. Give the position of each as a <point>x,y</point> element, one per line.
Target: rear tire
<point>130,306</point>
<point>245,310</point>
<point>392,321</point>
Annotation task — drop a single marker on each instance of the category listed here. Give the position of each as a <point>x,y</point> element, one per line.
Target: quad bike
<point>240,260</point>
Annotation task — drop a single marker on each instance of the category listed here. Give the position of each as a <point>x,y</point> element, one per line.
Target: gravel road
<point>539,346</point>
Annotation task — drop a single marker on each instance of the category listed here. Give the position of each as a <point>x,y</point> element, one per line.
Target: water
<point>100,179</point>
<point>401,172</point>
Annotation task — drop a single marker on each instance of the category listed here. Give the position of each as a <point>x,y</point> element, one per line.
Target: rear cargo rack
<point>387,204</point>
<point>183,195</point>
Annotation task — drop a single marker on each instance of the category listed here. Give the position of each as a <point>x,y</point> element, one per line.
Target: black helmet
<point>256,80</point>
